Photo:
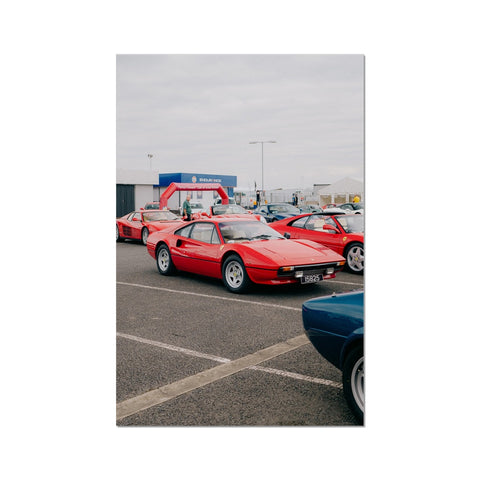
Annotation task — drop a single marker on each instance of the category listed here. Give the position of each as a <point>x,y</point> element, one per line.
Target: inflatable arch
<point>173,187</point>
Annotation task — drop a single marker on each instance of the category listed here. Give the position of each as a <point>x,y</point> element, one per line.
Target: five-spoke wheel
<point>355,257</point>
<point>235,275</point>
<point>164,261</point>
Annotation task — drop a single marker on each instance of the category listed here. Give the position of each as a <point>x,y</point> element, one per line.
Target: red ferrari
<point>241,251</point>
<point>228,211</point>
<point>342,233</point>
<point>138,225</point>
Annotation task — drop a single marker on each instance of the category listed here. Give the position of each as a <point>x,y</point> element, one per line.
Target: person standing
<point>187,209</point>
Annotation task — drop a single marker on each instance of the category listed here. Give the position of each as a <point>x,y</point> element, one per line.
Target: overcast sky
<point>198,113</point>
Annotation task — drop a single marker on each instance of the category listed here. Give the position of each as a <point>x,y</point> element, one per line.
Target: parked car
<point>335,326</point>
<point>241,251</point>
<point>197,207</point>
<point>329,205</point>
<point>277,211</point>
<point>352,207</point>
<point>342,233</point>
<point>311,209</point>
<point>139,224</point>
<point>231,201</point>
<point>152,206</point>
<point>233,210</point>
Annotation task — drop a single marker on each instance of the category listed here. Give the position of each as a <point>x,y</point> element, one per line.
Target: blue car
<point>277,211</point>
<point>334,325</point>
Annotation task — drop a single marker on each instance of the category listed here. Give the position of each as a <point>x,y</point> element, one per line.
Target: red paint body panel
<point>262,258</point>
<point>335,241</point>
<point>128,228</point>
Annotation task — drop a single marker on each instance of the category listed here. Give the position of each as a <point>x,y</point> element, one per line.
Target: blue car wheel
<point>353,382</point>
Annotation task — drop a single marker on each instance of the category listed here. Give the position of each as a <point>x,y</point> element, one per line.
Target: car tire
<point>164,260</point>
<point>234,275</point>
<point>353,375</point>
<point>145,234</point>
<point>355,256</point>
<point>119,238</point>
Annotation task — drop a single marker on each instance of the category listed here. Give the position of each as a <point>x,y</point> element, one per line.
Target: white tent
<point>340,192</point>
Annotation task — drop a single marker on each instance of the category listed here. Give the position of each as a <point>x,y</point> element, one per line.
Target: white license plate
<point>311,278</point>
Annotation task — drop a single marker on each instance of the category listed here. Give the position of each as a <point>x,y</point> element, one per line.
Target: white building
<point>341,192</point>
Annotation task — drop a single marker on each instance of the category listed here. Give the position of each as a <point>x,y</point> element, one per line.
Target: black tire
<point>234,275</point>
<point>355,257</point>
<point>145,234</point>
<point>164,260</point>
<point>119,238</point>
<point>353,376</point>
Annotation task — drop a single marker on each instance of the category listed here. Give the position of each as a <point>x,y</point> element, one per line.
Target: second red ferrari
<point>342,233</point>
<point>138,225</point>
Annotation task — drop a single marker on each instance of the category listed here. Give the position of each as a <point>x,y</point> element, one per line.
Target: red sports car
<point>241,251</point>
<point>342,233</point>
<point>228,211</point>
<point>138,225</point>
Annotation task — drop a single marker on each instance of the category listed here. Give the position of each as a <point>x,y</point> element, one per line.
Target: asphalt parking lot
<point>190,353</point>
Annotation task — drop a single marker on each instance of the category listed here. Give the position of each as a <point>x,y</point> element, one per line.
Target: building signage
<point>206,180</point>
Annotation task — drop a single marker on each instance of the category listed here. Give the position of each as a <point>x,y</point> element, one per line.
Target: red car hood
<point>294,252</point>
<point>162,224</point>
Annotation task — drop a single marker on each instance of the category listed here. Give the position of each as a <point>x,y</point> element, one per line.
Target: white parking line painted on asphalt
<point>250,362</point>
<point>344,283</point>
<point>231,299</point>
<point>186,351</point>
<point>297,376</point>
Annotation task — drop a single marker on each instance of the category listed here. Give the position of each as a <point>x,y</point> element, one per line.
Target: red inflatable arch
<point>173,187</point>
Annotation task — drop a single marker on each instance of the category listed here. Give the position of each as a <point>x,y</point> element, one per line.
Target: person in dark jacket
<point>187,209</point>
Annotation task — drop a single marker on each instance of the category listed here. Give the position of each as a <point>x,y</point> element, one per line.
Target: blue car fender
<point>354,339</point>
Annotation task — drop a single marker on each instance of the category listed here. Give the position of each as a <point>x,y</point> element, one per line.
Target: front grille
<point>309,269</point>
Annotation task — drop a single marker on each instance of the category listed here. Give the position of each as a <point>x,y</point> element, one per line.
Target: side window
<point>185,231</point>
<point>129,218</point>
<point>138,216</point>
<point>316,222</point>
<point>343,222</point>
<point>300,223</point>
<point>202,232</point>
<point>215,237</point>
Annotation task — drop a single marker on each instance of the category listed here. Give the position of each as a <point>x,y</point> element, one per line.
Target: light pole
<point>262,142</point>
<point>149,155</point>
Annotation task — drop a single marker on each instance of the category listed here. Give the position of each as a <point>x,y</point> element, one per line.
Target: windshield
<point>152,206</point>
<point>358,206</point>
<point>227,209</point>
<point>351,223</point>
<point>284,209</point>
<point>159,216</point>
<point>233,232</point>
<point>196,205</point>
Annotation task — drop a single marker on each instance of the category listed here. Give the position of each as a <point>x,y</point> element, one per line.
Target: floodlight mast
<point>262,142</point>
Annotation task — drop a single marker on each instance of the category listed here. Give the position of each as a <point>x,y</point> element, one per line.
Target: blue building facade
<point>228,182</point>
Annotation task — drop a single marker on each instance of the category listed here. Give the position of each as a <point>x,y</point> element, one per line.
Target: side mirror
<point>135,219</point>
<point>286,235</point>
<point>331,228</point>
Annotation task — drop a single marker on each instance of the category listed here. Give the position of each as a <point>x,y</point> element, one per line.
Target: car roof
<point>225,218</point>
